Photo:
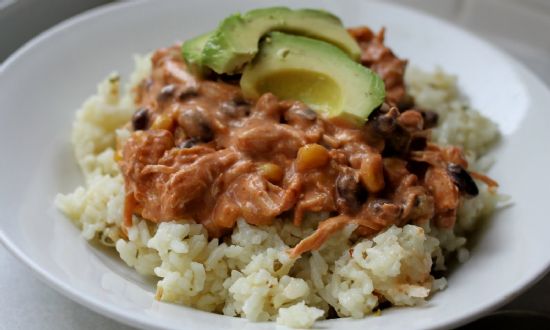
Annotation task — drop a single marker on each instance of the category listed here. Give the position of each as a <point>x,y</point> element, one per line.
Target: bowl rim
<point>138,320</point>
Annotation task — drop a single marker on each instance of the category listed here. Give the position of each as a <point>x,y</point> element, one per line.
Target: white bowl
<point>43,83</point>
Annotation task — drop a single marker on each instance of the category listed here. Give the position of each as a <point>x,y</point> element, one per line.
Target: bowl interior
<point>43,84</point>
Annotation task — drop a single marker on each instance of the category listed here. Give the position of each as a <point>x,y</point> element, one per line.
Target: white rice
<point>249,274</point>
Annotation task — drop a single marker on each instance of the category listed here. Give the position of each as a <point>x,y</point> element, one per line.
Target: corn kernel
<point>272,172</point>
<point>371,173</point>
<point>311,156</point>
<point>163,122</point>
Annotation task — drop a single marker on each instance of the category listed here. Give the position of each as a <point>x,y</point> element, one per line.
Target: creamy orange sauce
<point>200,151</point>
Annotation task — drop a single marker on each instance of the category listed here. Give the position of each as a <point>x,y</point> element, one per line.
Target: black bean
<point>187,93</point>
<point>166,92</point>
<point>189,143</point>
<point>235,109</point>
<point>195,125</point>
<point>140,119</point>
<point>462,179</point>
<point>430,118</point>
<point>348,192</point>
<point>384,123</point>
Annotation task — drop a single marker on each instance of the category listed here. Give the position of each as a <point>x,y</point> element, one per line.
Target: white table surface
<point>522,28</point>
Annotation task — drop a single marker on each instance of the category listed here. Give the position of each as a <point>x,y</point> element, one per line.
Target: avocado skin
<point>235,42</point>
<point>360,90</point>
<point>192,53</point>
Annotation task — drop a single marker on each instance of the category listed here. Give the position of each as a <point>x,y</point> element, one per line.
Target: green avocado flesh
<point>313,88</point>
<point>316,73</point>
<point>235,42</point>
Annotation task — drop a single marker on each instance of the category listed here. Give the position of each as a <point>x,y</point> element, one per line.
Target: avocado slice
<point>192,52</point>
<point>316,73</point>
<point>235,41</point>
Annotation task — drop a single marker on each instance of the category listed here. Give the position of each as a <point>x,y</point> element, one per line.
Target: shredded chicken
<point>200,151</point>
<point>383,61</point>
